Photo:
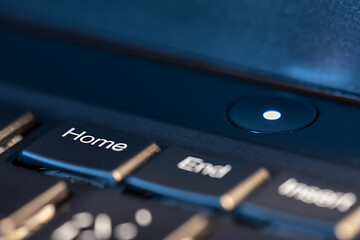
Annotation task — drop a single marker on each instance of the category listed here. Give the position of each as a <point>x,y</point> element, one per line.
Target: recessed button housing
<point>272,114</point>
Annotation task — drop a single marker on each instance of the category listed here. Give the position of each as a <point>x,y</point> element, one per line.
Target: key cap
<point>106,215</point>
<point>88,152</point>
<point>188,176</point>
<point>28,200</point>
<point>301,202</point>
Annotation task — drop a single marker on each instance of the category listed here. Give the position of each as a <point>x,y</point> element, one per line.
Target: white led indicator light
<point>272,115</point>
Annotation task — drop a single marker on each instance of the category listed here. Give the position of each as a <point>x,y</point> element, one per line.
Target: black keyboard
<point>74,181</point>
<point>100,139</point>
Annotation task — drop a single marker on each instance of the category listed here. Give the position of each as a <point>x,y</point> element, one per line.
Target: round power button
<point>272,114</point>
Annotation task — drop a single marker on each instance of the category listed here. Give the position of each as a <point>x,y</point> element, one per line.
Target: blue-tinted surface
<point>168,93</point>
<point>313,41</point>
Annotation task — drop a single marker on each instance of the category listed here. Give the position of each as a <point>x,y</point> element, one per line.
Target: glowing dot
<point>272,115</point>
<point>143,217</point>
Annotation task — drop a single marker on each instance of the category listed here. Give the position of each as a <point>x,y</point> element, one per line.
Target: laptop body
<point>191,82</point>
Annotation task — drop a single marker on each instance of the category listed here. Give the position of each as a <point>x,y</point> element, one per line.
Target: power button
<point>272,114</point>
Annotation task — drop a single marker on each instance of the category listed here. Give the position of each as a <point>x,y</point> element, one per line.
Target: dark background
<point>312,42</point>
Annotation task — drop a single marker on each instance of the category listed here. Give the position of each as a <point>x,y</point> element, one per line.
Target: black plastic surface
<point>169,93</point>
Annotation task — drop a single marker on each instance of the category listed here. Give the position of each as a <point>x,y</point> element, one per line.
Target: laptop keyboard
<point>79,182</point>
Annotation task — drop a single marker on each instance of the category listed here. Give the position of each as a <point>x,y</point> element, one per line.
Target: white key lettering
<point>100,142</point>
<point>325,198</point>
<point>197,165</point>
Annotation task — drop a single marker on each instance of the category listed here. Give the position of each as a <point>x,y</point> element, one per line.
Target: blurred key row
<point>282,199</point>
<point>40,207</point>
